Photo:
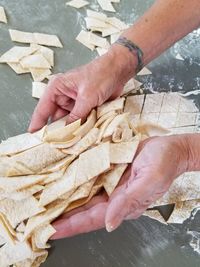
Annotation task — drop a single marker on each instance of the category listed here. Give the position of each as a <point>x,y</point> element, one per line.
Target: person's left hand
<point>158,162</point>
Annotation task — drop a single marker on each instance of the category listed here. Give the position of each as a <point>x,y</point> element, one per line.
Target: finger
<point>84,222</point>
<point>60,113</point>
<point>46,107</point>
<point>80,111</point>
<point>132,197</point>
<point>93,202</point>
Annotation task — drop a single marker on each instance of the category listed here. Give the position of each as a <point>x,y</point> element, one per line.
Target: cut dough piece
<point>16,53</point>
<point>17,67</point>
<point>144,71</point>
<point>41,236</point>
<point>117,23</point>
<point>114,37</point>
<point>109,31</point>
<point>84,38</point>
<point>112,178</point>
<point>131,86</point>
<point>34,160</point>
<point>184,188</point>
<point>150,129</point>
<point>187,119</point>
<point>153,103</point>
<point>77,3</point>
<point>38,89</point>
<point>35,38</point>
<point>96,15</point>
<point>114,124</point>
<point>20,183</point>
<point>6,233</point>
<point>63,134</point>
<point>166,120</point>
<point>88,125</point>
<point>11,254</point>
<point>101,51</point>
<point>39,74</point>
<point>123,152</point>
<point>49,215</point>
<point>98,41</point>
<point>187,105</point>
<point>22,37</point>
<point>171,103</point>
<point>46,52</point>
<point>87,141</point>
<point>47,39</point>
<point>134,104</point>
<point>3,17</point>
<point>18,211</point>
<point>115,105</point>
<point>106,5</point>
<point>19,143</point>
<point>35,61</point>
<point>95,23</point>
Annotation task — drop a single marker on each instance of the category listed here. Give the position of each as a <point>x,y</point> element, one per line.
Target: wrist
<point>124,62</point>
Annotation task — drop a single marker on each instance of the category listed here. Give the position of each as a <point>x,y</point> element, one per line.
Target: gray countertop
<point>143,242</point>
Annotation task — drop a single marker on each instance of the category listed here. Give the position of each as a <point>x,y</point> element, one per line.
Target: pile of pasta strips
<point>60,168</point>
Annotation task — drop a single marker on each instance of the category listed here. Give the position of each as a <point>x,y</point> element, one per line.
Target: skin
<point>159,160</point>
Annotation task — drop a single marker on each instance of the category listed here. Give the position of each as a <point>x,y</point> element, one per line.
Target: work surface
<point>143,242</point>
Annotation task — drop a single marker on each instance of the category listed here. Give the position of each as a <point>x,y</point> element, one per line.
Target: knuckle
<point>134,205</point>
<point>74,116</point>
<point>55,80</point>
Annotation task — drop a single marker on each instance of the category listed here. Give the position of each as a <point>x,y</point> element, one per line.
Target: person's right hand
<point>80,90</point>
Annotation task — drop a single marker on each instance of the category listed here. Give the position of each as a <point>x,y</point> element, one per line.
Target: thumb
<point>80,110</point>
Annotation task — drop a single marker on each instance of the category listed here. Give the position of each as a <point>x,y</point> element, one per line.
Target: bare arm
<point>161,26</point>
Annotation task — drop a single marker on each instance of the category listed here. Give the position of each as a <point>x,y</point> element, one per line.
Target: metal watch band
<point>133,48</point>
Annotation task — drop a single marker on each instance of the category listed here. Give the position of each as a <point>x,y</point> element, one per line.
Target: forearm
<point>160,27</point>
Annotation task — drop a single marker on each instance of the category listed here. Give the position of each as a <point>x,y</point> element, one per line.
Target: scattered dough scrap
<point>38,89</point>
<point>144,71</point>
<point>84,38</point>
<point>15,54</point>
<point>35,61</point>
<point>35,38</point>
<point>106,5</point>
<point>39,75</point>
<point>77,3</point>
<point>3,17</point>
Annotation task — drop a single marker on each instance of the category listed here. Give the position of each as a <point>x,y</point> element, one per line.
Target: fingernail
<point>109,228</point>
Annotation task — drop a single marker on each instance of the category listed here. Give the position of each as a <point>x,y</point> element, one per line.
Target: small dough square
<point>35,61</point>
<point>187,105</point>
<point>187,119</point>
<point>134,104</point>
<point>150,118</point>
<point>171,103</point>
<point>153,103</point>
<point>167,120</point>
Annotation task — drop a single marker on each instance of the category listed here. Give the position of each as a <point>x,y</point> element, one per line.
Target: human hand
<point>158,162</point>
<point>80,90</point>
